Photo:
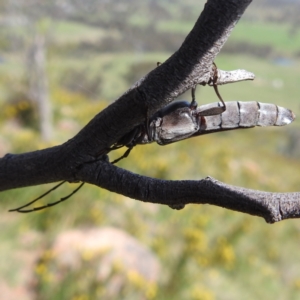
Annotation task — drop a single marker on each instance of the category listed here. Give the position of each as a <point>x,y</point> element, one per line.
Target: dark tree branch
<point>190,65</point>
<point>273,207</point>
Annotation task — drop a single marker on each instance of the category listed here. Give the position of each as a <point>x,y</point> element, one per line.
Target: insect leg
<point>193,104</point>
<point>218,109</point>
<point>215,79</point>
<point>123,156</point>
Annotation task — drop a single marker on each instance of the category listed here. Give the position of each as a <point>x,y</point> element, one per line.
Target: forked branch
<point>273,207</point>
<point>83,157</point>
<point>189,65</point>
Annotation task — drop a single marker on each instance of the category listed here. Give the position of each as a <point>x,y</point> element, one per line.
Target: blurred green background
<point>61,62</point>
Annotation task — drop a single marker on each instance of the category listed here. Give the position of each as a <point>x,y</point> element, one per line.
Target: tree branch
<point>190,65</point>
<point>225,77</point>
<point>273,207</point>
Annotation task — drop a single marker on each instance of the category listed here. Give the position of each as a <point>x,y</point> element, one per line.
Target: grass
<point>175,26</point>
<point>277,36</point>
<point>111,67</point>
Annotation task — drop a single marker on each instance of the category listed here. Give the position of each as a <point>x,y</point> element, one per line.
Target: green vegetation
<point>261,33</point>
<point>206,252</point>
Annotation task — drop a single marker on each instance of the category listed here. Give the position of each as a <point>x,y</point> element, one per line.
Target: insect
<point>182,119</point>
<point>177,121</point>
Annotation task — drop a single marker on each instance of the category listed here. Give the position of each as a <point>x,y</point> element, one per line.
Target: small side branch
<point>273,207</point>
<point>225,77</point>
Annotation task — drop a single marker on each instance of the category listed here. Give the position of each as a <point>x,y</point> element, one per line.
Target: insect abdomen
<point>248,114</point>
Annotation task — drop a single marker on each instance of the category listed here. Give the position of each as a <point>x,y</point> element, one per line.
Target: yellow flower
<point>40,269</point>
<point>135,278</point>
<point>151,291</point>
<point>201,293</point>
<point>195,239</point>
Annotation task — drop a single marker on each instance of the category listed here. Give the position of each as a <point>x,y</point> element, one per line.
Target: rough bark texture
<point>191,64</point>
<point>273,207</point>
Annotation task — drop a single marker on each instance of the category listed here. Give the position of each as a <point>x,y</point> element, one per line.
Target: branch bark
<point>190,65</point>
<point>273,207</point>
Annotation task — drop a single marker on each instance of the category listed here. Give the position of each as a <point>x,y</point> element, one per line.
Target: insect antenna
<point>40,197</point>
<point>22,210</point>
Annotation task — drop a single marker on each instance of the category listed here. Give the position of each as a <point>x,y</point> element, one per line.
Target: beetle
<point>176,121</point>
